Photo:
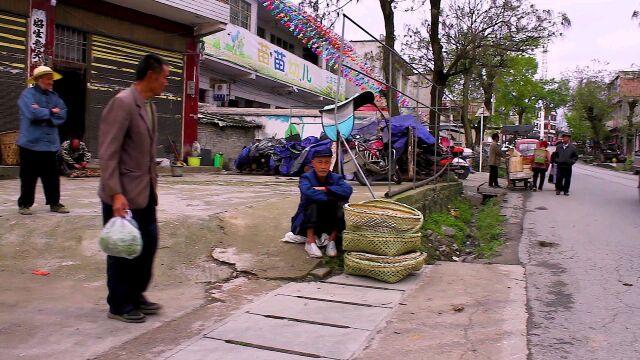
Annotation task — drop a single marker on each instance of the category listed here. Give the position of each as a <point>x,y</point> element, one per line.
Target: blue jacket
<point>337,190</point>
<point>39,127</point>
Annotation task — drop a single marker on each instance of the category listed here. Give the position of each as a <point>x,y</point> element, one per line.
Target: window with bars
<point>240,13</point>
<point>70,45</point>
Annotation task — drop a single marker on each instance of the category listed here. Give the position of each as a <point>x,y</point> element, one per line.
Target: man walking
<point>128,182</point>
<point>565,157</point>
<point>495,154</point>
<point>41,112</point>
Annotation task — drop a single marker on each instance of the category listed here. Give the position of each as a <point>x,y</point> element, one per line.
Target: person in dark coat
<point>129,181</point>
<point>322,196</point>
<point>565,157</point>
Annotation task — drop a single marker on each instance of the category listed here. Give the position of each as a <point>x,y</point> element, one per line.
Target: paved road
<point>584,288</point>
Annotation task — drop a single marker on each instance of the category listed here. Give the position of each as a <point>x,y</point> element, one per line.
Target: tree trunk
<point>520,117</point>
<point>390,41</point>
<point>596,130</point>
<point>478,135</point>
<point>487,83</point>
<point>439,76</point>
<point>464,113</point>
<point>439,83</point>
<point>630,131</point>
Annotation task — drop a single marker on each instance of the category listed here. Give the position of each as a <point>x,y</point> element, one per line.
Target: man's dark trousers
<point>323,217</point>
<point>493,175</point>
<point>563,178</point>
<point>34,165</point>
<point>127,279</point>
<point>538,172</point>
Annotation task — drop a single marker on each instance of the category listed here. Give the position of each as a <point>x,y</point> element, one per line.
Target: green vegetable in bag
<point>120,237</point>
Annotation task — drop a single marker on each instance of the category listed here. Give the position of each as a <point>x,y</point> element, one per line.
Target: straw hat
<point>43,70</point>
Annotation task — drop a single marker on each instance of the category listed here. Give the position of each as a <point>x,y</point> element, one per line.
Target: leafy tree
<point>461,32</point>
<point>590,106</point>
<point>517,90</point>
<point>580,130</point>
<point>557,94</point>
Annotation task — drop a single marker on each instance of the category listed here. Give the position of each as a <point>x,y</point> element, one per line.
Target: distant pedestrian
<point>127,148</point>
<point>495,154</point>
<point>541,162</point>
<point>41,112</point>
<point>565,157</point>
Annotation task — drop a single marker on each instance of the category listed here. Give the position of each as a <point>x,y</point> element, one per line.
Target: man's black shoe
<point>557,192</point>
<point>566,193</point>
<point>149,308</point>
<point>133,316</point>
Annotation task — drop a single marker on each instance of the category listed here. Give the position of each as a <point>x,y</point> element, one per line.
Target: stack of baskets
<point>382,239</point>
<point>9,149</point>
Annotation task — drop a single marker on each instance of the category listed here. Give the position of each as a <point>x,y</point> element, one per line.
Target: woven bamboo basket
<point>9,151</point>
<point>384,216</point>
<point>392,259</point>
<point>387,272</point>
<point>379,243</point>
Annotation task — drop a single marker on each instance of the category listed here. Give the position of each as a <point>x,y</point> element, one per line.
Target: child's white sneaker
<point>331,249</point>
<point>313,250</point>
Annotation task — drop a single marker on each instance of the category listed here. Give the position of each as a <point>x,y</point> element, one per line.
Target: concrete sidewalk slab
<point>324,312</point>
<point>315,340</point>
<point>460,311</point>
<point>210,349</point>
<point>405,284</point>
<point>343,293</point>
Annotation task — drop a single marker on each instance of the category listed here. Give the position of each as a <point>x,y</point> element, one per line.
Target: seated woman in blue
<point>322,196</point>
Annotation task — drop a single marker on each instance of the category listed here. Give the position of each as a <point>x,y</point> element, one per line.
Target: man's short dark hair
<point>150,62</point>
<point>495,136</point>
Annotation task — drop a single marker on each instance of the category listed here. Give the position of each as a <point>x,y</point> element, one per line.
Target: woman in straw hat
<point>41,112</point>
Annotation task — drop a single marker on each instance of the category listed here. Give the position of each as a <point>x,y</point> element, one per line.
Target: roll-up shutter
<point>13,68</point>
<point>112,68</point>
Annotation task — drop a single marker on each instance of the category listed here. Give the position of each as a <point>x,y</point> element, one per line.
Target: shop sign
<point>38,36</point>
<point>239,46</point>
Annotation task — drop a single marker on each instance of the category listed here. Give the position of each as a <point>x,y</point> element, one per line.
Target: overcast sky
<point>601,29</point>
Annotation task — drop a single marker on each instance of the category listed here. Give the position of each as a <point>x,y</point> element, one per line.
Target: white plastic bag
<point>120,237</point>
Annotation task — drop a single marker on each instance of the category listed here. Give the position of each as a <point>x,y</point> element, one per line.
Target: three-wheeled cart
<point>517,179</point>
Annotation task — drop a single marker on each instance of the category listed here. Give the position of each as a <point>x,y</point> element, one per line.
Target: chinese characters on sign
<point>38,35</point>
<point>239,46</point>
<point>278,60</point>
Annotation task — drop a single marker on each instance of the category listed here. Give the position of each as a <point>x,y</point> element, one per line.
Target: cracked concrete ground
<point>583,263</point>
<point>63,315</point>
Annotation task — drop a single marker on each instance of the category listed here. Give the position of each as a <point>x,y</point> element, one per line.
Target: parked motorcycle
<point>430,160</point>
<point>373,158</point>
<point>458,163</point>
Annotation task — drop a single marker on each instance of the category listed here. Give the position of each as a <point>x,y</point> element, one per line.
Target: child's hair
<point>495,136</point>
